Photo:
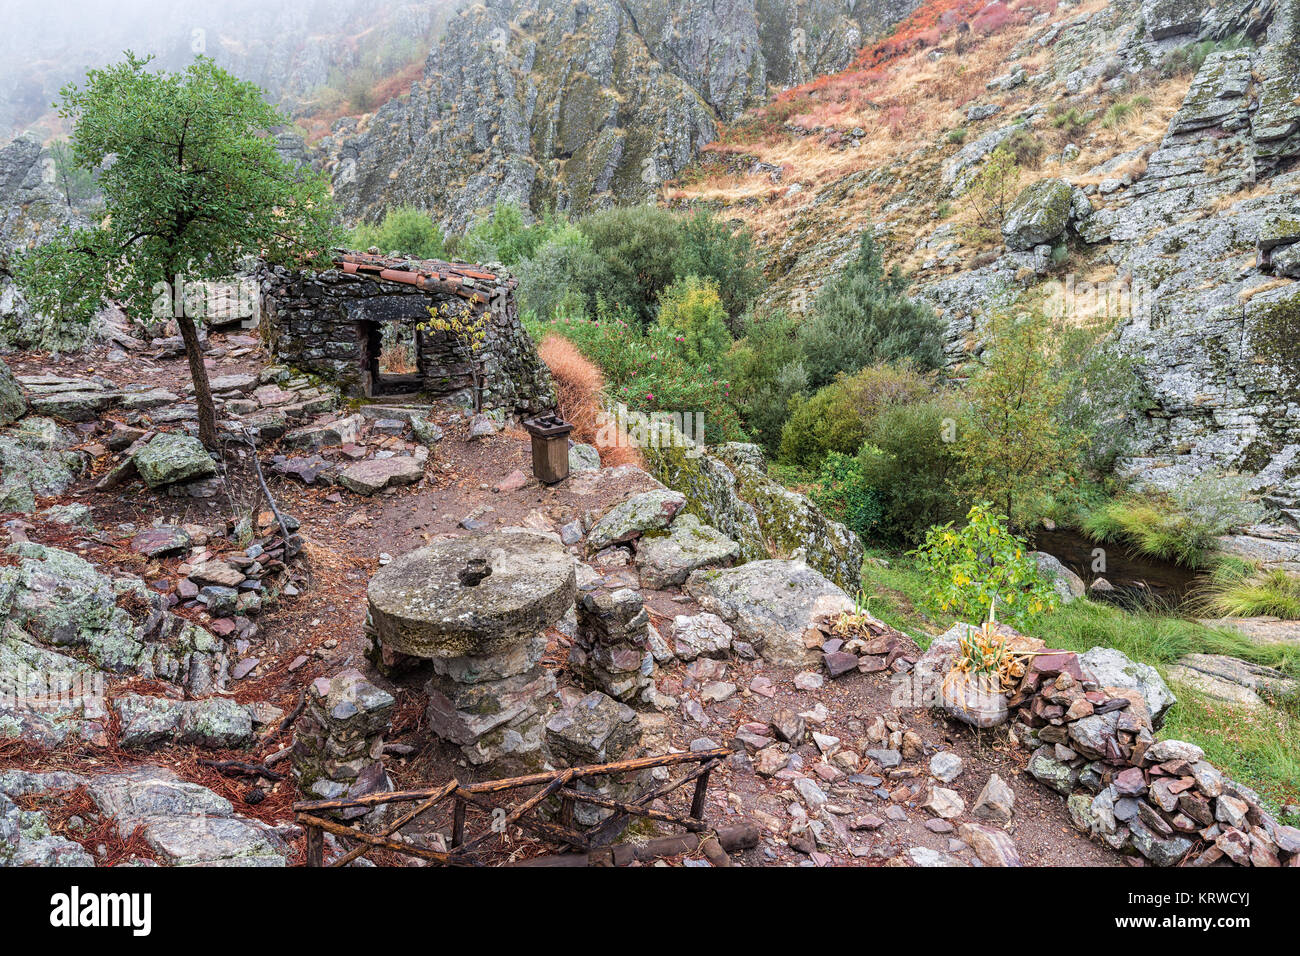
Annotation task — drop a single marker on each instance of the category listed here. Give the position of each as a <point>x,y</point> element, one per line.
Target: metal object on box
<point>550,435</point>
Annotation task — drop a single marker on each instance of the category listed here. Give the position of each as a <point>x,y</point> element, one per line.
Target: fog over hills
<point>310,55</point>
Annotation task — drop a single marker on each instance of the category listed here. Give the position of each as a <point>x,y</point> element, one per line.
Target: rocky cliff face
<point>31,209</point>
<point>550,103</point>
<point>1192,224</point>
<point>1206,235</point>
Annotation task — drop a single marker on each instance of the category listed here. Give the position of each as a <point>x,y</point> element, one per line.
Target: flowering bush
<point>982,563</point>
<point>647,369</point>
<point>691,310</point>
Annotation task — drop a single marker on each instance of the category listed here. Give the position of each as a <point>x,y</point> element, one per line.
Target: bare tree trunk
<point>202,391</point>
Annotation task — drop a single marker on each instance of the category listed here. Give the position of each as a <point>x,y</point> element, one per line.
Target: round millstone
<point>476,595</point>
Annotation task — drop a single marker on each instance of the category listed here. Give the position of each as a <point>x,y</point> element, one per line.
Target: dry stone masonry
<point>476,607</point>
<point>611,648</point>
<point>329,323</point>
<point>338,747</point>
<point>1161,798</point>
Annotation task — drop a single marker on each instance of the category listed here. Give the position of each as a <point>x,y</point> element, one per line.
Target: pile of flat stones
<point>596,729</point>
<point>611,647</point>
<point>1160,798</point>
<point>223,571</point>
<point>476,607</point>
<point>338,746</point>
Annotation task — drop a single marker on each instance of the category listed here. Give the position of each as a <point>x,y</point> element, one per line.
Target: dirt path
<point>320,631</point>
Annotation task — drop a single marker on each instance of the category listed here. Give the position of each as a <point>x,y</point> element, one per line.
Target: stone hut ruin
<point>356,325</point>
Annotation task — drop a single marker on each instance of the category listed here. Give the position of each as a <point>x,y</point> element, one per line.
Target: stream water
<point>1137,579</point>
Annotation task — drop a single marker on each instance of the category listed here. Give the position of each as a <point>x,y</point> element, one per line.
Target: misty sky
<point>288,47</point>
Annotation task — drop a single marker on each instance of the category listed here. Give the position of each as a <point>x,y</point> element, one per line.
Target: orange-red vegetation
<point>580,392</point>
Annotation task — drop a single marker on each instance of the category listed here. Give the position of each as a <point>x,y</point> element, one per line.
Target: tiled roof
<point>471,282</point>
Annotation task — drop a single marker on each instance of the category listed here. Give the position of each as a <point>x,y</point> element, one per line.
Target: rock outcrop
<point>771,605</point>
<point>31,210</point>
<point>728,489</point>
<point>552,104</point>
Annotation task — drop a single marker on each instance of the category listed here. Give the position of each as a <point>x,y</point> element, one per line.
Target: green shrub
<point>1026,148</point>
<point>863,318</point>
<point>845,493</point>
<point>691,311</point>
<point>1187,60</point>
<point>645,371</point>
<point>838,417</point>
<point>1182,526</point>
<point>1072,122</point>
<point>1221,502</point>
<point>911,464</point>
<point>641,246</point>
<point>766,371</point>
<point>1152,528</point>
<point>956,136</point>
<point>504,236</point>
<point>711,249</point>
<point>1101,391</point>
<point>981,564</point>
<point>1011,444</point>
<point>565,275</point>
<point>404,229</point>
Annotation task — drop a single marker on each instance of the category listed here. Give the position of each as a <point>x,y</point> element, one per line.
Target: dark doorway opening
<point>392,356</point>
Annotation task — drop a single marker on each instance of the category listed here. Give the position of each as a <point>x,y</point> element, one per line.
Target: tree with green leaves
<point>193,188</point>
<point>1012,446</point>
<point>863,317</point>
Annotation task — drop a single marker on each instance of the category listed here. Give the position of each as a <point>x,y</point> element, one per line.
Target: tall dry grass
<point>580,392</point>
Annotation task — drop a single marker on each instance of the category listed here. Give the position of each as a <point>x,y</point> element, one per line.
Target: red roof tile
<point>433,275</point>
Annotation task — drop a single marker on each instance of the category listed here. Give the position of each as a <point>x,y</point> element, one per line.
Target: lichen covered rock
<point>12,404</point>
<point>170,458</point>
<point>35,460</point>
<point>728,489</point>
<point>665,560</point>
<point>771,604</point>
<point>1038,215</point>
<point>646,511</point>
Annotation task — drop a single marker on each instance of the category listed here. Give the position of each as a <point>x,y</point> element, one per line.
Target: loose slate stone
<point>162,540</point>
<point>367,477</point>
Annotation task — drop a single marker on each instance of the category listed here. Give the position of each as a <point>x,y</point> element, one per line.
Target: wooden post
<point>701,792</point>
<point>458,823</point>
<point>315,846</point>
<point>566,812</point>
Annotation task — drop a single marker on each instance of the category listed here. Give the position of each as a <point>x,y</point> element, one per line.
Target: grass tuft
<point>1152,530</point>
<point>1266,593</point>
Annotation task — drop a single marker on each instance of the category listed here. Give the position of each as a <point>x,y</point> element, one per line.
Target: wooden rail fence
<point>312,815</point>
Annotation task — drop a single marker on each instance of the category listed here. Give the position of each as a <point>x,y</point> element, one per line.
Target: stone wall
<point>319,322</point>
<point>1094,745</point>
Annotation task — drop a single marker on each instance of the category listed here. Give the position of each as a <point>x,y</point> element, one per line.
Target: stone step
<point>403,412</point>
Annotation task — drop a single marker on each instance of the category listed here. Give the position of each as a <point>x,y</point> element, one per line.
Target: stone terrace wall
<point>1162,798</point>
<point>312,323</point>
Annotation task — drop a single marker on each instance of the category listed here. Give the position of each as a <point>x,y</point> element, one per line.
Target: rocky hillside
<point>31,207</point>
<point>551,103</point>
<point>1155,144</point>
